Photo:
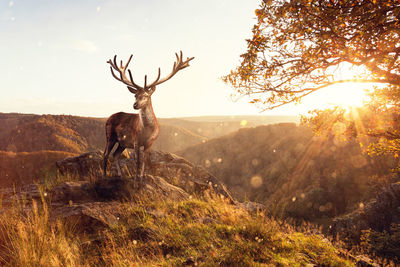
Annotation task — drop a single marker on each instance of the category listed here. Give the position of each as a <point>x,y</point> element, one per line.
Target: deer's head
<point>143,93</point>
<point>142,98</point>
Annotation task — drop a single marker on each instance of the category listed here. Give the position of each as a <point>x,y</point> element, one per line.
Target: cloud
<point>85,46</point>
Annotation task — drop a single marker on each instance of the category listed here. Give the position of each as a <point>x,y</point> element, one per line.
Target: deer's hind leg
<point>106,154</point>
<point>116,155</point>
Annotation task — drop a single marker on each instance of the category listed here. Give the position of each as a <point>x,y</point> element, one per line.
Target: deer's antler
<point>132,86</point>
<point>178,65</point>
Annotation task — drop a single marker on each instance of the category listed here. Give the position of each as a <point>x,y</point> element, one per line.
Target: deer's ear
<point>132,90</point>
<point>152,89</point>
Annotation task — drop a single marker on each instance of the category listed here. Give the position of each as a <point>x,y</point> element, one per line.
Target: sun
<point>351,94</point>
<point>347,94</point>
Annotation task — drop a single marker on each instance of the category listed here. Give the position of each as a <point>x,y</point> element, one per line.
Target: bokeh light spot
<point>255,162</point>
<point>207,163</point>
<point>256,181</point>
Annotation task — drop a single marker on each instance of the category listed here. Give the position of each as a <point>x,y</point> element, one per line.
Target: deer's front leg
<point>137,162</point>
<point>144,159</point>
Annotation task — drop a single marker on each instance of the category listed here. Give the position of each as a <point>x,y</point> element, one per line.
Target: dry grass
<point>28,238</point>
<point>194,232</point>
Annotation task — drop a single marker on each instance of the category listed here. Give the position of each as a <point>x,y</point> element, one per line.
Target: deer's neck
<point>148,117</point>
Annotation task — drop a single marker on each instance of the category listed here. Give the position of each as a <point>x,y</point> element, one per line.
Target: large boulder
<point>85,165</point>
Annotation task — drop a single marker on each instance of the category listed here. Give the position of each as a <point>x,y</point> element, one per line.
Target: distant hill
<point>29,132</point>
<point>216,126</point>
<point>50,132</point>
<point>173,138</point>
<point>254,119</point>
<point>291,171</point>
<point>8,121</point>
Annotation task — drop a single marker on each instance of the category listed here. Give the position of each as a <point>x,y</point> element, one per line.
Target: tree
<point>297,45</point>
<point>376,125</point>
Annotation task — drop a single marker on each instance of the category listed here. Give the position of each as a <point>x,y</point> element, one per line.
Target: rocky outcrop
<point>96,201</point>
<point>85,165</point>
<point>93,205</point>
<point>174,170</point>
<point>377,215</point>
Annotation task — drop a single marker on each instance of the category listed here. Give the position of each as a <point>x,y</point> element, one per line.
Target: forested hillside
<point>293,172</point>
<point>57,133</point>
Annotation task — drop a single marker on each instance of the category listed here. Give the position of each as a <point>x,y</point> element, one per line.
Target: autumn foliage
<point>297,46</point>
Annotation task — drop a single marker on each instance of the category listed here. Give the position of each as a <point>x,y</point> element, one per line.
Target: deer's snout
<point>136,106</point>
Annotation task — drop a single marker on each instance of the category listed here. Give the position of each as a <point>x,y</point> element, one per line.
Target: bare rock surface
<point>252,206</point>
<point>116,189</point>
<point>88,217</point>
<point>84,165</point>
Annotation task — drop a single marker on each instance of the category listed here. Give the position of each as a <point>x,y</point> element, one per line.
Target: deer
<point>136,130</point>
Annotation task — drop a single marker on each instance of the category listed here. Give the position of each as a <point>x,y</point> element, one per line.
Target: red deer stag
<point>135,130</point>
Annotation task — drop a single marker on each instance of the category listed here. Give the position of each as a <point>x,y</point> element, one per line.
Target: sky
<point>54,55</point>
